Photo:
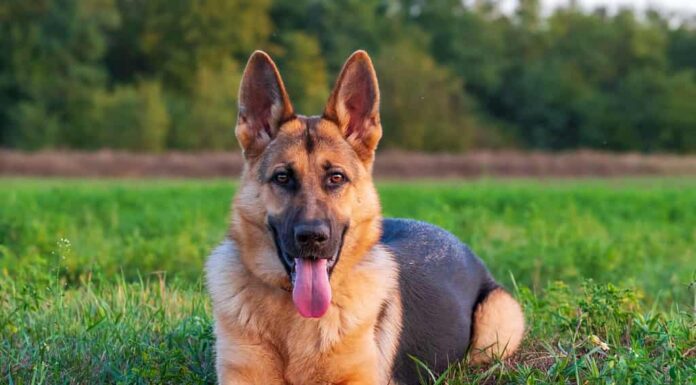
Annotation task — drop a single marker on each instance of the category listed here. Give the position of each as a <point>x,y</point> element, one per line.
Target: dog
<point>312,285</point>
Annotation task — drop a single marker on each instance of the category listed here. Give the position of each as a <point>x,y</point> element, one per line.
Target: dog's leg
<point>367,376</point>
<point>361,366</point>
<point>498,327</point>
<point>367,380</point>
<point>244,361</point>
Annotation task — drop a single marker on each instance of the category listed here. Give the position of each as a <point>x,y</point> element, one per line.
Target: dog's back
<point>441,282</point>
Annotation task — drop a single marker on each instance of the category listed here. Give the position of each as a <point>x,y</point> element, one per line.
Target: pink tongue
<point>311,292</point>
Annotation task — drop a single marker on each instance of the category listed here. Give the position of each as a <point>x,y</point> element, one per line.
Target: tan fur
<point>498,328</point>
<point>261,339</point>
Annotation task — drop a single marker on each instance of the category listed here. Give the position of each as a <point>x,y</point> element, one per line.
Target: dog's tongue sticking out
<point>311,292</point>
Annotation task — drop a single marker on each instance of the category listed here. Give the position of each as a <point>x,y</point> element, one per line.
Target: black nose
<point>311,234</point>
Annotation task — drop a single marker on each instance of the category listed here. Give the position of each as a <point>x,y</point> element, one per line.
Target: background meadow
<point>101,281</point>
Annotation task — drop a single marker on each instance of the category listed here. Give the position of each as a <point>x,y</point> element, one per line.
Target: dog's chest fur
<point>359,332</point>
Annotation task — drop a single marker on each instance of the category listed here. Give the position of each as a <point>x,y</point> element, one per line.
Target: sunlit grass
<point>100,280</point>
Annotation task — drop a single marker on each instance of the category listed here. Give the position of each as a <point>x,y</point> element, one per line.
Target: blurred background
<point>155,75</point>
<point>102,278</point>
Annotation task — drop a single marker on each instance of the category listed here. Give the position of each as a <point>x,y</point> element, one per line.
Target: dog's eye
<point>336,179</point>
<point>281,177</point>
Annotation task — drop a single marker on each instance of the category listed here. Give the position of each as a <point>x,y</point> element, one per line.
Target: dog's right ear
<point>263,104</point>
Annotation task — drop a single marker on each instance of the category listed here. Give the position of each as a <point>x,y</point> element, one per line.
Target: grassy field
<point>100,281</point>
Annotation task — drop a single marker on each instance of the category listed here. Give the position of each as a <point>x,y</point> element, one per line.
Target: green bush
<point>431,111</point>
<point>131,117</point>
<point>206,119</point>
<point>34,126</point>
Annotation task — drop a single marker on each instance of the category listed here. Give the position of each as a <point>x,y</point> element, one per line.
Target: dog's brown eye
<point>281,177</point>
<point>336,179</point>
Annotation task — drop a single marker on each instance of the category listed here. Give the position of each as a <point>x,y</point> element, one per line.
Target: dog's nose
<point>311,234</point>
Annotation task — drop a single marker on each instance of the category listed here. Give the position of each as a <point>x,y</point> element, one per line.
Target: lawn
<point>100,281</point>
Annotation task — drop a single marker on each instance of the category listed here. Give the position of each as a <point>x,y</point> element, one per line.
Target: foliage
<point>50,68</point>
<point>304,71</point>
<point>572,78</point>
<point>440,109</point>
<point>205,120</point>
<point>129,117</point>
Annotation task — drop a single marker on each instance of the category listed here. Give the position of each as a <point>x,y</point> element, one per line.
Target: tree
<point>429,112</point>
<point>50,68</point>
<point>304,72</point>
<point>130,117</point>
<point>205,119</point>
<point>171,40</point>
<point>682,48</point>
<point>455,74</point>
<point>340,26</point>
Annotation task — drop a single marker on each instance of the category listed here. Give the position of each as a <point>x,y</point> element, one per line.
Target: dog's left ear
<point>354,105</point>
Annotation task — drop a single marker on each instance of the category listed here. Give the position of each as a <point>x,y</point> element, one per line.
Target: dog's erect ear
<point>263,104</point>
<point>354,105</point>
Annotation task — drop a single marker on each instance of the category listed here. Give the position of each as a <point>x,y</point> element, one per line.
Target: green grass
<point>100,280</point>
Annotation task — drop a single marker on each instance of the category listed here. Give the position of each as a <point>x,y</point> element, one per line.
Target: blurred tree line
<point>151,75</point>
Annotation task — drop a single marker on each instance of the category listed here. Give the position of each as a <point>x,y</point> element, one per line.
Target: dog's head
<point>307,210</point>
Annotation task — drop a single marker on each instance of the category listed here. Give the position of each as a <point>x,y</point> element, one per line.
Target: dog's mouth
<point>309,276</point>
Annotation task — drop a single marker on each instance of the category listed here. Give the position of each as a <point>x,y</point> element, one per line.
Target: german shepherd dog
<point>312,285</point>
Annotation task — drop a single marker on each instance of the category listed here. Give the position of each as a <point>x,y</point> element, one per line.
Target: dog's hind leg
<point>498,327</point>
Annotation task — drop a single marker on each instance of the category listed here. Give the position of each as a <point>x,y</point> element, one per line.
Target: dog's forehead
<point>305,140</point>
